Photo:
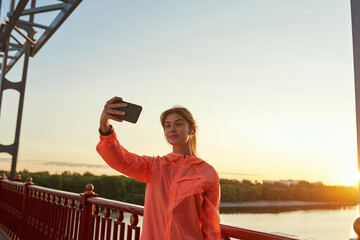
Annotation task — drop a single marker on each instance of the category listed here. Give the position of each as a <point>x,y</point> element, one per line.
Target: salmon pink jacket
<point>182,192</point>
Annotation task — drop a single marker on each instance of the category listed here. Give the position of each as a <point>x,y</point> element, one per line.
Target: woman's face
<point>176,129</point>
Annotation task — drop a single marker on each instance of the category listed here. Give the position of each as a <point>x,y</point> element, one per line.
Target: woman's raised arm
<point>115,155</point>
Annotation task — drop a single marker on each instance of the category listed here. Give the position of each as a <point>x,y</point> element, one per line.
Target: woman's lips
<point>173,136</point>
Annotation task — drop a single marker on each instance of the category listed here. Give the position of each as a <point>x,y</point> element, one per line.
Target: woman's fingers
<point>114,99</point>
<point>116,105</point>
<point>112,103</point>
<point>112,117</point>
<point>114,112</point>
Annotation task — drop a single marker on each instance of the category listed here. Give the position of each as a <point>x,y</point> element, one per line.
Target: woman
<point>182,191</point>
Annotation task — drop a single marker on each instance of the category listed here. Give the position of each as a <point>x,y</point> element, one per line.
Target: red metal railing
<point>32,212</point>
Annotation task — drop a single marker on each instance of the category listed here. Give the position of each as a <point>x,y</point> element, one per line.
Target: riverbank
<point>281,204</point>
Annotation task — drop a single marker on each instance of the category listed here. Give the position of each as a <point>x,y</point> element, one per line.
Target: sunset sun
<point>349,178</point>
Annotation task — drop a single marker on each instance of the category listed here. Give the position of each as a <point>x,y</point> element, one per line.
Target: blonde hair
<point>186,114</point>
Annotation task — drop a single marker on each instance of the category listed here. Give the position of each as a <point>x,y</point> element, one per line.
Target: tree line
<point>126,189</point>
<point>236,191</point>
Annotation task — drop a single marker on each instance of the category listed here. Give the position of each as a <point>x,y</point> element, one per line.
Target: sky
<point>270,84</point>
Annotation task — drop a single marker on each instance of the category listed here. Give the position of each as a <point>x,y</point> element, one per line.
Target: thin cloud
<point>60,163</point>
<point>71,164</point>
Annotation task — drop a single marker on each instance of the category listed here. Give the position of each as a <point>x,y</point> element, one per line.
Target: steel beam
<point>355,19</point>
<point>56,23</point>
<point>14,17</point>
<point>43,9</point>
<point>22,22</point>
<point>13,148</point>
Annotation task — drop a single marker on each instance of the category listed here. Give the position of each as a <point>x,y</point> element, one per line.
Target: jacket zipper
<point>171,201</point>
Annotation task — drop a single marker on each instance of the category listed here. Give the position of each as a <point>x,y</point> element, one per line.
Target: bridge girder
<point>16,41</point>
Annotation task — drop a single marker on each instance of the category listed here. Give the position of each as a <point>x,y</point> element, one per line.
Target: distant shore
<point>265,204</point>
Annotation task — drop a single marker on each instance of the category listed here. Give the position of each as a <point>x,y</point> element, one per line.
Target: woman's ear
<point>192,131</point>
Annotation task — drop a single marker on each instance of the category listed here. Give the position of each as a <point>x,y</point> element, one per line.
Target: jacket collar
<point>190,160</point>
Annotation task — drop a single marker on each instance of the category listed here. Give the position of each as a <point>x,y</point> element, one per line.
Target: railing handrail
<point>246,234</point>
<point>15,183</point>
<point>126,207</point>
<point>65,194</point>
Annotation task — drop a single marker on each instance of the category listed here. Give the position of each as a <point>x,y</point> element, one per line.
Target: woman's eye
<point>167,126</point>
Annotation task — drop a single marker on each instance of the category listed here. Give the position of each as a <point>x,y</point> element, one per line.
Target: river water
<point>310,224</point>
<point>319,224</point>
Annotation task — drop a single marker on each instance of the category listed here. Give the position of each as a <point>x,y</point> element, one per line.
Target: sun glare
<point>349,178</point>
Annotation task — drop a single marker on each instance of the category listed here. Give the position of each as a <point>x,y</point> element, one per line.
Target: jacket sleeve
<point>211,219</point>
<point>117,157</point>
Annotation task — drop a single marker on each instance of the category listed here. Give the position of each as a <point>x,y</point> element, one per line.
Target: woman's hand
<point>109,112</point>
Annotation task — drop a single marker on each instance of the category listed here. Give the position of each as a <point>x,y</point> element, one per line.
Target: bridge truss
<point>17,40</point>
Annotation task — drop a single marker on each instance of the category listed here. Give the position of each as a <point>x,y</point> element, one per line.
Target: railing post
<point>24,207</point>
<point>17,179</point>
<point>356,227</point>
<point>86,221</point>
<point>3,176</point>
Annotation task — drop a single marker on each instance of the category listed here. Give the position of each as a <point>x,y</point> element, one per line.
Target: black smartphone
<point>132,112</point>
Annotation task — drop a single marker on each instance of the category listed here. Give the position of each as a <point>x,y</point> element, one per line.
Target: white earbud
<point>192,132</point>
